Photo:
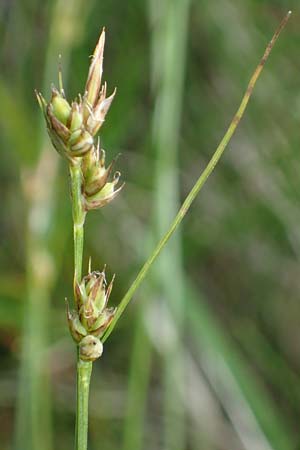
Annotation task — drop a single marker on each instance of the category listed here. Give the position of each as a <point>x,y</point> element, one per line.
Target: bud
<point>95,101</point>
<point>76,118</point>
<point>105,195</point>
<point>97,116</point>
<point>77,330</point>
<point>90,348</point>
<point>96,105</point>
<point>93,82</point>
<point>60,107</point>
<point>98,191</point>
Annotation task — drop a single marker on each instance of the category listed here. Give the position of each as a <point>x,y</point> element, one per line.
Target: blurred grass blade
<point>273,365</point>
<point>169,23</point>
<point>138,382</point>
<point>217,351</point>
<point>201,180</point>
<point>25,139</point>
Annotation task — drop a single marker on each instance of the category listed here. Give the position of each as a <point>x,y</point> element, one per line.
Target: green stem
<point>201,180</point>
<point>84,369</point>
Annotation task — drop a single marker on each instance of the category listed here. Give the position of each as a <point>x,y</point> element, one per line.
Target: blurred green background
<point>207,356</point>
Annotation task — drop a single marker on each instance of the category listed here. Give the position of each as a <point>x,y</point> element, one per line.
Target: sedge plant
<point>72,128</point>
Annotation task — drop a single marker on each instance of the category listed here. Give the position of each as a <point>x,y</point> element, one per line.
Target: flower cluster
<point>73,127</point>
<point>91,317</point>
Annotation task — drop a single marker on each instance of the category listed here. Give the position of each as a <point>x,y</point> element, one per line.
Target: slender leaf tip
<point>201,180</point>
